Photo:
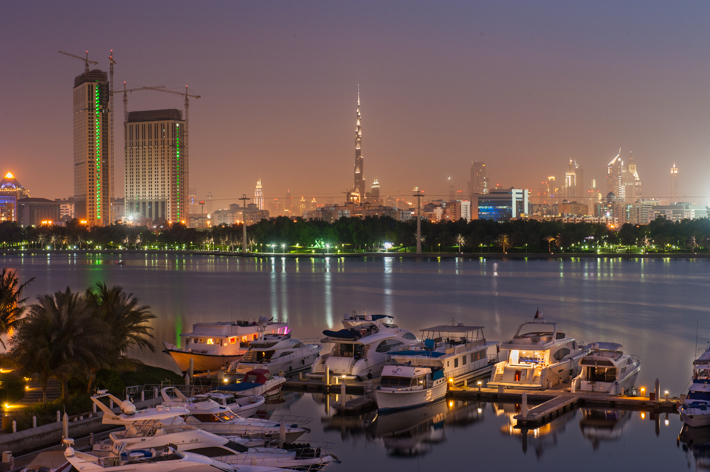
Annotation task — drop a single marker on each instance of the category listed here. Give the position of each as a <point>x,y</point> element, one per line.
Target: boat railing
<point>288,452</point>
<point>291,420</point>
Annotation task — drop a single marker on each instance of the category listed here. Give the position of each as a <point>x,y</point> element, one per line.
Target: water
<point>656,308</point>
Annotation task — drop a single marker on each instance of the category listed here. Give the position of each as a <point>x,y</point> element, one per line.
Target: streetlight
<point>283,249</point>
<point>327,247</point>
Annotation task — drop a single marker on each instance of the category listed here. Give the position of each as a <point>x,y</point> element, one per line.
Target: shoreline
<point>374,255</point>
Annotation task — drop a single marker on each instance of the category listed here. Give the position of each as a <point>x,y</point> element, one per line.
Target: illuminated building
<point>359,187</point>
<point>66,208</point>
<point>633,181</point>
<point>156,181</point>
<point>678,211</point>
<point>573,209</point>
<point>615,177</point>
<point>373,196</point>
<point>574,181</point>
<point>92,153</point>
<point>288,203</point>
<point>258,196</point>
<point>34,211</point>
<point>501,205</point>
<point>479,179</point>
<point>10,192</point>
<point>674,184</point>
<point>275,207</point>
<point>301,206</point>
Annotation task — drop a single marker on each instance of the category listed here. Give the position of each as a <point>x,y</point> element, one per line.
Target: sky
<point>523,86</point>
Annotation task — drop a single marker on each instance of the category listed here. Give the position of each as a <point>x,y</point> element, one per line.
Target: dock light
<point>343,376</point>
<point>226,380</point>
<point>643,391</point>
<point>643,415</point>
<point>27,387</point>
<point>665,394</point>
<point>667,422</point>
<point>451,380</point>
<point>451,403</point>
<point>7,406</point>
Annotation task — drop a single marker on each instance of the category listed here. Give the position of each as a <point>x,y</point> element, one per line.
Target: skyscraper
<point>614,177</point>
<point>156,166</point>
<point>288,203</point>
<point>574,181</point>
<point>479,180</point>
<point>258,196</point>
<point>359,163</point>
<point>633,181</point>
<point>92,155</point>
<point>674,184</point>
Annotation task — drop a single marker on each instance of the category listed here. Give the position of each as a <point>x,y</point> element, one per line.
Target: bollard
<point>143,395</point>
<point>524,407</point>
<point>342,394</point>
<point>91,439</point>
<point>14,426</point>
<point>327,375</point>
<point>336,380</point>
<point>94,407</point>
<point>465,383</point>
<point>282,434</point>
<point>479,383</point>
<point>155,392</point>
<point>59,416</point>
<point>658,391</point>
<point>34,421</point>
<point>665,395</point>
<point>110,404</point>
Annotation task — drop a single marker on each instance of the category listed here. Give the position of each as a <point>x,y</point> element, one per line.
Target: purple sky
<point>523,86</point>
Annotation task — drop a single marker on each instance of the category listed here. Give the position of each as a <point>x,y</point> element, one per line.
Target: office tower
<point>373,196</point>
<point>633,181</point>
<point>258,196</point>
<point>674,184</point>
<point>156,166</point>
<point>288,203</point>
<point>574,181</point>
<point>92,155</point>
<point>359,187</point>
<point>615,172</point>
<point>501,204</point>
<point>313,204</point>
<point>479,179</point>
<point>301,206</point>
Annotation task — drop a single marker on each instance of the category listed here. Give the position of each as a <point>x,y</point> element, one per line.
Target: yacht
<point>695,409</point>
<point>217,419</point>
<point>539,357</point>
<point>277,353</point>
<point>212,346</point>
<point>607,369</point>
<point>242,406</point>
<point>255,382</point>
<point>404,386</point>
<point>360,350</point>
<point>153,428</point>
<point>166,459</point>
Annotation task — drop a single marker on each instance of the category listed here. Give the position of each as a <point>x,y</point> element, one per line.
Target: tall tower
<point>674,184</point>
<point>479,180</point>
<point>288,203</point>
<point>156,173</point>
<point>258,196</point>
<point>92,154</point>
<point>615,178</point>
<point>359,163</point>
<point>633,181</point>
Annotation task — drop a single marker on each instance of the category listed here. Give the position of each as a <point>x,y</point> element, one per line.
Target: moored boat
<point>404,386</point>
<point>243,406</point>
<point>606,369</point>
<point>695,409</point>
<point>277,353</point>
<point>255,382</point>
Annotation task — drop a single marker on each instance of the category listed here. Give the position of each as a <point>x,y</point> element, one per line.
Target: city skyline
<point>421,129</point>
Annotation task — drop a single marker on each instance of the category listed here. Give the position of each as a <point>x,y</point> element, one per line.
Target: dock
<point>545,412</point>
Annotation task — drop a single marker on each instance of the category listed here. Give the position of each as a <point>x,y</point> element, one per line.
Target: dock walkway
<point>545,412</point>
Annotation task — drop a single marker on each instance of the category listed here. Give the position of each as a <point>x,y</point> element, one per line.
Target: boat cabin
<point>227,337</point>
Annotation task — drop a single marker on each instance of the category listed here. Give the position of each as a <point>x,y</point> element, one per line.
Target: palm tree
<point>550,240</point>
<point>504,242</point>
<point>11,302</point>
<point>693,243</point>
<point>58,337</point>
<point>559,240</point>
<point>460,241</point>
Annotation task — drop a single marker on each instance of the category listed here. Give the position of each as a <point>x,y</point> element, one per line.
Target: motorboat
<point>218,419</point>
<point>360,350</point>
<point>242,406</point>
<point>166,459</point>
<point>212,346</point>
<point>277,353</point>
<point>695,409</point>
<point>404,386</point>
<point>539,357</point>
<point>354,320</point>
<point>154,428</point>
<point>255,382</point>
<point>606,369</point>
<point>462,352</point>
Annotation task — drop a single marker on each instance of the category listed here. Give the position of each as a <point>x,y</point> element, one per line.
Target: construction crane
<point>85,59</point>
<point>125,96</point>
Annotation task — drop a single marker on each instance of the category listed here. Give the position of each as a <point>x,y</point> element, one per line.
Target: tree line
<point>283,234</point>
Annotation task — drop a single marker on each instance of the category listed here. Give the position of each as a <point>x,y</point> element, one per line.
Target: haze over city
<point>524,87</point>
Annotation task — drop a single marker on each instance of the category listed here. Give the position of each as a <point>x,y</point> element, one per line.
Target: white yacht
<point>166,459</point>
<point>695,409</point>
<point>255,382</point>
<point>606,369</point>
<point>539,357</point>
<point>360,351</point>
<point>242,406</point>
<point>217,419</point>
<point>154,428</point>
<point>404,386</point>
<point>212,346</point>
<point>277,353</point>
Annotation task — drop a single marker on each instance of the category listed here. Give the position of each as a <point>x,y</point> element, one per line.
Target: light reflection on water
<point>651,306</point>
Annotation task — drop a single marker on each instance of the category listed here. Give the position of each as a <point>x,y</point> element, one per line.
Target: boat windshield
<point>356,351</point>
<point>226,415</point>
<point>699,396</point>
<point>400,382</point>
<point>529,357</point>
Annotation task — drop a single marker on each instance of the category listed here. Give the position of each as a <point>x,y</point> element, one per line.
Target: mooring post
<point>342,394</point>
<point>14,426</point>
<point>91,439</point>
<point>34,421</point>
<point>142,395</point>
<point>59,416</point>
<point>94,406</point>
<point>327,375</point>
<point>658,391</point>
<point>524,407</point>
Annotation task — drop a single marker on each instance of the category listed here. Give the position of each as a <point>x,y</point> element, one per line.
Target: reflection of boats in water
<point>542,437</point>
<point>696,442</point>
<point>413,432</point>
<point>603,425</point>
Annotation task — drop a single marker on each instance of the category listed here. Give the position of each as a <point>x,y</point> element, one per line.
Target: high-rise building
<point>258,196</point>
<point>632,182</point>
<point>574,181</point>
<point>359,187</point>
<point>501,204</point>
<point>92,153</point>
<point>674,184</point>
<point>373,196</point>
<point>615,178</point>
<point>313,204</point>
<point>302,206</point>
<point>288,203</point>
<point>156,166</point>
<point>479,179</point>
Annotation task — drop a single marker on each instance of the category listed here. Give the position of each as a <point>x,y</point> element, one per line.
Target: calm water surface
<point>655,308</point>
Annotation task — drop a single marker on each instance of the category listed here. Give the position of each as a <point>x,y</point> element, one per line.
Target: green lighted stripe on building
<point>97,104</point>
<point>177,160</point>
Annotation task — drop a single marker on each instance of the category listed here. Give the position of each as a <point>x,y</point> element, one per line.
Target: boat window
<point>559,355</point>
<point>287,353</point>
<point>698,396</point>
<point>527,357</point>
<point>464,360</point>
<point>236,446</point>
<point>230,400</point>
<point>264,356</point>
<point>395,382</point>
<point>349,350</point>
<point>297,346</point>
<point>409,337</point>
<point>206,418</point>
<point>456,362</point>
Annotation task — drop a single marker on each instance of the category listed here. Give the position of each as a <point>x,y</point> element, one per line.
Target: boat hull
<point>695,420</point>
<point>611,388</point>
<point>201,362</point>
<point>389,400</point>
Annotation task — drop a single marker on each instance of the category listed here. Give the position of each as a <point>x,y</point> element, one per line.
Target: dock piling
<point>327,375</point>
<point>342,394</point>
<point>34,421</point>
<point>524,407</point>
<point>59,416</point>
<point>658,391</point>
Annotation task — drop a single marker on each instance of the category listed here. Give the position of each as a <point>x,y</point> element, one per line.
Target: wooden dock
<point>547,411</point>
